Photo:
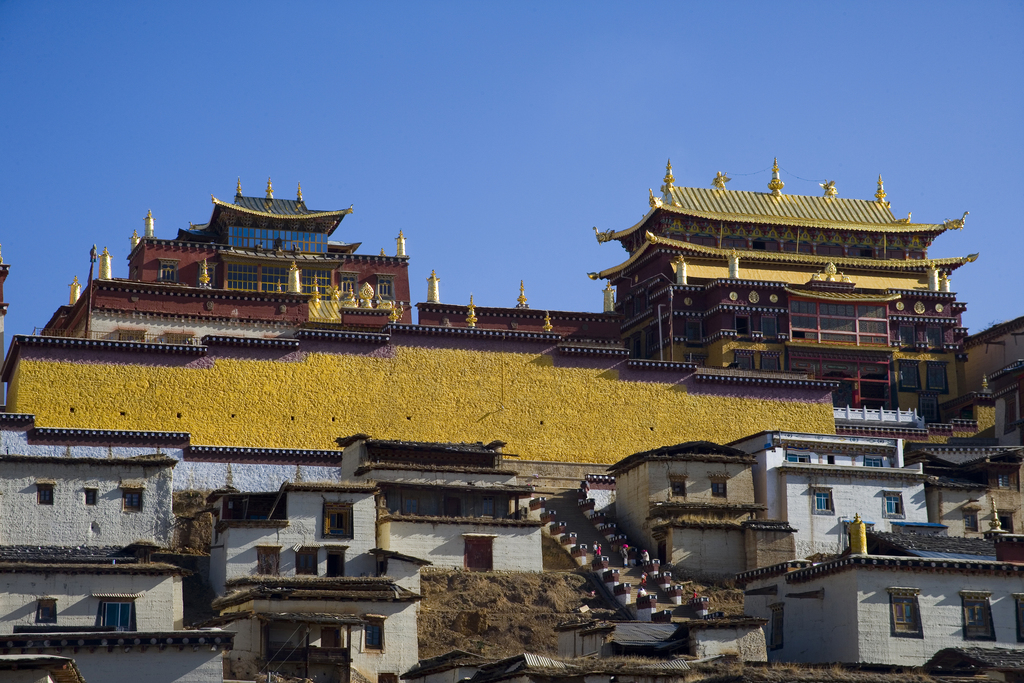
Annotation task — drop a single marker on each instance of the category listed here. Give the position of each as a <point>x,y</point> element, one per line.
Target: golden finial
<point>830,188</point>
<point>995,526</point>
<point>655,202</point>
<point>382,252</point>
<point>547,322</point>
<point>858,536</point>
<point>270,190</point>
<point>522,296</point>
<point>719,181</point>
<point>298,194</point>
<point>984,382</point>
<point>776,184</point>
<point>134,239</point>
<point>315,296</point>
<point>76,291</point>
<point>395,314</point>
<point>471,318</point>
<point>204,274</point>
<point>669,180</point>
<point>880,192</point>
<point>238,187</point>
<point>433,288</point>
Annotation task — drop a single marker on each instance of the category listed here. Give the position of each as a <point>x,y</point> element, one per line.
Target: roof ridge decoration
<point>720,179</point>
<point>776,184</point>
<point>270,189</point>
<point>880,193</point>
<point>254,212</point>
<point>830,274</point>
<point>830,189</point>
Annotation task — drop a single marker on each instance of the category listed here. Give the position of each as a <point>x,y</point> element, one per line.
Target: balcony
<point>879,417</point>
<point>292,652</point>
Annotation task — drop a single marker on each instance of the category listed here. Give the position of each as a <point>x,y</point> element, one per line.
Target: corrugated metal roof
<point>631,633</point>
<point>541,661</point>
<point>787,206</point>
<point>952,556</point>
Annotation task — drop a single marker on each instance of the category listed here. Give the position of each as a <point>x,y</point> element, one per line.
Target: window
<point>90,496</point>
<point>131,335</point>
<point>937,376</point>
<point>46,611</point>
<point>1003,481</point>
<point>479,553</point>
<point>315,276</point>
<point>770,327</point>
<point>250,238</point>
<point>487,507</point>
<point>44,494</point>
<point>268,561</point>
<point>242,276</point>
<point>797,456</point>
<point>744,361</point>
<point>306,561</point>
<point>386,287</point>
<point>411,506</point>
<point>1019,597</point>
<point>1006,522</point>
<point>839,323</point>
<point>906,618</point>
<point>335,563</point>
<point>117,614</point>
<point>179,338</point>
<point>168,271</point>
<point>132,500</point>
<point>970,521</point>
<point>977,616</point>
<point>908,335</point>
<point>777,625</point>
<point>338,520</point>
<point>678,487</point>
<point>823,502</point>
<point>909,377</point>
<point>693,333</point>
<point>893,505</point>
<point>273,279</point>
<point>933,334</point>
<point>742,325</point>
<point>718,489</point>
<point>374,634</point>
<point>874,461</point>
<point>769,362</point>
<point>928,406</point>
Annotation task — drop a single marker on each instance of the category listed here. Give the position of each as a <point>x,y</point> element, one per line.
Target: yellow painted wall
<point>799,274</point>
<point>543,412</point>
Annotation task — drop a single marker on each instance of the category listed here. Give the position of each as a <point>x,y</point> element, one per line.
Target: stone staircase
<point>573,518</point>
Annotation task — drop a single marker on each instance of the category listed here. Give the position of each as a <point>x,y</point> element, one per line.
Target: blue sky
<point>495,135</point>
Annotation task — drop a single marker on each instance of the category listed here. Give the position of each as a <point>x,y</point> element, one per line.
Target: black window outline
<point>905,597</point>
<point>167,267</point>
<point>385,283</point>
<point>973,515</point>
<point>720,488</point>
<point>776,639</point>
<point>977,600</point>
<point>338,521</point>
<point>101,619</point>
<point>45,493</point>
<point>46,611</point>
<point>910,368</point>
<point>373,634</point>
<point>91,494</point>
<point>1019,611</point>
<point>677,487</point>
<point>775,322</point>
<point>941,387</point>
<point>131,499</point>
<point>264,566</point>
<point>301,557</point>
<point>815,510</point>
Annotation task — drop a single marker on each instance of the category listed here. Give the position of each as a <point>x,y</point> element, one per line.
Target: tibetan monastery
<point>837,288</point>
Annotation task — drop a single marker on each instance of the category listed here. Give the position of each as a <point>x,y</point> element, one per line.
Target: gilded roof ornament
<point>880,193</point>
<point>270,189</point>
<point>984,378</point>
<point>655,202</point>
<point>298,196</point>
<point>471,318</point>
<point>830,188</point>
<point>396,313</point>
<point>776,184</point>
<point>238,187</point>
<point>314,297</point>
<point>905,221</point>
<point>830,274</point>
<point>382,252</point>
<point>76,291</point>
<point>719,181</point>
<point>522,296</point>
<point>204,274</point>
<point>995,526</point>
<point>547,322</point>
<point>605,236</point>
<point>956,223</point>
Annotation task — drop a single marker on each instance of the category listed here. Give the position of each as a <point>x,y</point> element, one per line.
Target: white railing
<point>880,415</point>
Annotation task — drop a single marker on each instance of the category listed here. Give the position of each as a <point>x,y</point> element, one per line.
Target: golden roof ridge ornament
<point>956,223</point>
<point>547,322</point>
<point>204,274</point>
<point>522,296</point>
<point>776,184</point>
<point>830,188</point>
<point>655,202</point>
<point>270,189</point>
<point>471,318</point>
<point>603,237</point>
<point>830,274</point>
<point>298,196</point>
<point>880,193</point>
<point>719,181</point>
<point>238,187</point>
<point>995,526</point>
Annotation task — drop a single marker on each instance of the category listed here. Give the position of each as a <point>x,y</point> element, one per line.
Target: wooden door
<point>479,555</point>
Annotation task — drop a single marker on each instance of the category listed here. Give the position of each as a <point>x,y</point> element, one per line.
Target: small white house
<point>818,482</point>
<point>879,609</point>
<point>454,504</point>
<point>70,501</point>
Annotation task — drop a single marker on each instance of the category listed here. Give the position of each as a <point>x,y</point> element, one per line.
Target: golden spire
<point>76,291</point>
<point>995,526</point>
<point>668,180</point>
<point>433,289</point>
<point>776,183</point>
<point>719,181</point>
<point>471,318</point>
<point>134,239</point>
<point>270,189</point>
<point>298,198</point>
<point>238,187</point>
<point>382,252</point>
<point>880,192</point>
<point>547,322</point>
<point>984,382</point>
<point>204,274</point>
<point>522,296</point>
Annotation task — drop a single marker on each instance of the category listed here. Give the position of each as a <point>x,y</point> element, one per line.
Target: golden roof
<point>849,297</point>
<point>291,209</point>
<point>788,257</point>
<point>798,210</point>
